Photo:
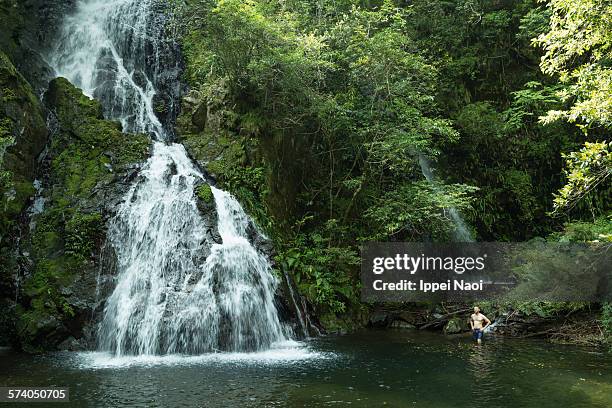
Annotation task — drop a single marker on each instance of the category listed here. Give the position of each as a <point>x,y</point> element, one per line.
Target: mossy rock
<point>22,123</point>
<point>454,326</point>
<point>90,161</point>
<point>87,150</point>
<point>23,135</point>
<point>71,106</point>
<point>205,193</point>
<point>339,324</point>
<point>220,154</point>
<point>215,148</point>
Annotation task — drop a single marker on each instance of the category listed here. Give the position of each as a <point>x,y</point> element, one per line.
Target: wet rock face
<point>21,118</point>
<point>262,243</point>
<point>169,67</point>
<point>23,135</point>
<point>153,60</point>
<point>88,167</point>
<point>208,211</point>
<point>26,28</point>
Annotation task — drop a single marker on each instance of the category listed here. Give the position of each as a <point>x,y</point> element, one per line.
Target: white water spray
<point>178,290</point>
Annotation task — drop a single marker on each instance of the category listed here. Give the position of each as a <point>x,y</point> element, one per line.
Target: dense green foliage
<point>336,112</point>
<point>318,116</point>
<point>579,47</point>
<point>586,171</point>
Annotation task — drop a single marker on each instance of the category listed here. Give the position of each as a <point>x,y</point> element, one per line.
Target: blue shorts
<point>477,334</point>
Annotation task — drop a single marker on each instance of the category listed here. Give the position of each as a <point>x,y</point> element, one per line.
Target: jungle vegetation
<point>330,105</point>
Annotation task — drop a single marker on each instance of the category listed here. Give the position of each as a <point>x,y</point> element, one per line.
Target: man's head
<point>476,309</point>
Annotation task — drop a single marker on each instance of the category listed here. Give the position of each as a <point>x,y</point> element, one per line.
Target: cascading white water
<point>461,232</point>
<point>111,50</point>
<point>232,305</point>
<point>177,289</point>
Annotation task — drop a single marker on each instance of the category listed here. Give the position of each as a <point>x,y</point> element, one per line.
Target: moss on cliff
<point>86,156</point>
<point>23,135</point>
<point>205,193</point>
<point>235,161</point>
<point>23,131</point>
<point>12,22</point>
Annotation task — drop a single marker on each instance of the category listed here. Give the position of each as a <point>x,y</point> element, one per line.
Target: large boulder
<point>454,326</point>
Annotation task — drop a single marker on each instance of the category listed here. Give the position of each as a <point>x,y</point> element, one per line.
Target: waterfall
<point>114,50</point>
<point>180,288</point>
<point>461,232</point>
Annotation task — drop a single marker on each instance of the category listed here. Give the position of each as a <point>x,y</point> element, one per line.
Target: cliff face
<point>86,171</point>
<point>26,27</point>
<point>23,135</point>
<point>82,175</point>
<point>63,171</point>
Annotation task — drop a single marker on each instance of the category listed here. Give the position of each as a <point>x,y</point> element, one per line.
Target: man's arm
<point>487,322</point>
<point>472,323</point>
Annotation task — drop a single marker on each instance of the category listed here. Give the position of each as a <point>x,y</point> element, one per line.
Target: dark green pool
<point>367,369</point>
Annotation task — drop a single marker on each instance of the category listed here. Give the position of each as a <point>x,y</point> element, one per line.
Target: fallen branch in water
<point>443,318</point>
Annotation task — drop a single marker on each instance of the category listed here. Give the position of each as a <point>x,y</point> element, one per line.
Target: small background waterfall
<point>184,284</point>
<point>461,232</point>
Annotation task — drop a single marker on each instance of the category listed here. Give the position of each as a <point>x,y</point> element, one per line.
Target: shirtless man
<point>476,322</point>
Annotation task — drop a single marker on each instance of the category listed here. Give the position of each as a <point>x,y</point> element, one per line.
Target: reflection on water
<point>482,369</point>
<point>372,368</point>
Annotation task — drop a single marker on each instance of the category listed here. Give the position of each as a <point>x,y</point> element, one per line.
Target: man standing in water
<point>479,323</point>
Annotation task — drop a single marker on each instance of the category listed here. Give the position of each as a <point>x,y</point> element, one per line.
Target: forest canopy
<point>384,120</point>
